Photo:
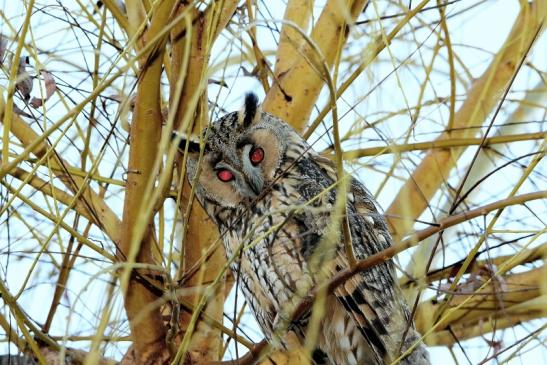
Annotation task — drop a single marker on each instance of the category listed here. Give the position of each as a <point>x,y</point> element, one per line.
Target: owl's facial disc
<point>241,158</point>
<point>248,183</point>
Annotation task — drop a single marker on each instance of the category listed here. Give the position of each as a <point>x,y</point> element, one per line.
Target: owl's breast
<point>266,257</point>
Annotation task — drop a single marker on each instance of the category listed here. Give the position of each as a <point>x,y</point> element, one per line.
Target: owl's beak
<point>256,185</point>
<point>248,191</point>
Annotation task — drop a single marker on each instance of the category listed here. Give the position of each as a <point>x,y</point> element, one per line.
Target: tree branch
<point>434,169</point>
<point>137,242</point>
<point>438,144</point>
<point>103,215</point>
<point>504,302</point>
<point>188,103</point>
<point>384,255</point>
<point>295,91</point>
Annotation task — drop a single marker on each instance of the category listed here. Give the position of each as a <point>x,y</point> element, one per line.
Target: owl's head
<point>243,152</point>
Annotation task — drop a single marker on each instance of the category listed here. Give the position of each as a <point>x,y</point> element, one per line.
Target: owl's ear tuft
<point>251,112</point>
<point>183,140</point>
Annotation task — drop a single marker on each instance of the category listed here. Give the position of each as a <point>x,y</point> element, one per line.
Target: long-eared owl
<point>272,198</point>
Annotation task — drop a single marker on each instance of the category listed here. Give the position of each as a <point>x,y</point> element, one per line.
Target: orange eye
<point>256,155</point>
<point>225,175</point>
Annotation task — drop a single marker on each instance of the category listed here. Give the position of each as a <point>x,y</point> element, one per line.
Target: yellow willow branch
<point>56,193</point>
<point>191,114</point>
<point>13,79</point>
<point>70,256</point>
<point>502,295</point>
<point>117,13</point>
<point>474,250</point>
<point>136,16</point>
<point>524,257</point>
<point>180,296</point>
<point>445,143</point>
<point>223,17</point>
<point>72,113</point>
<point>419,236</point>
<point>262,66</point>
<point>104,317</point>
<point>74,171</point>
<point>25,324</point>
<point>388,253</point>
<point>370,53</point>
<point>502,298</point>
<point>61,224</point>
<point>532,100</point>
<point>464,331</point>
<point>189,107</point>
<point>297,12</point>
<point>104,217</point>
<point>11,334</point>
<point>206,26</point>
<point>294,93</point>
<point>434,169</point>
<point>450,57</point>
<point>137,242</point>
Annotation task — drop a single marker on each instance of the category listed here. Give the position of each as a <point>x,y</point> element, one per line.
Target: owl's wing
<point>371,297</point>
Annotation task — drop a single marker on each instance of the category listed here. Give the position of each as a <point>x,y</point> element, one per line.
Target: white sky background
<point>474,37</point>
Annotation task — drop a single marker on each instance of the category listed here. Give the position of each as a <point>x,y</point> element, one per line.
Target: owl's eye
<point>256,155</point>
<point>225,175</point>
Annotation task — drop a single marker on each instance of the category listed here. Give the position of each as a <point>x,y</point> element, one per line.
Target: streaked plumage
<point>275,216</point>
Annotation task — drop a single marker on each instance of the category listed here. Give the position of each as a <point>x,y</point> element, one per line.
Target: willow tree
<point>105,253</point>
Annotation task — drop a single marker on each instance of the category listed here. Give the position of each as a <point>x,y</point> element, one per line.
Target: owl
<point>273,200</point>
